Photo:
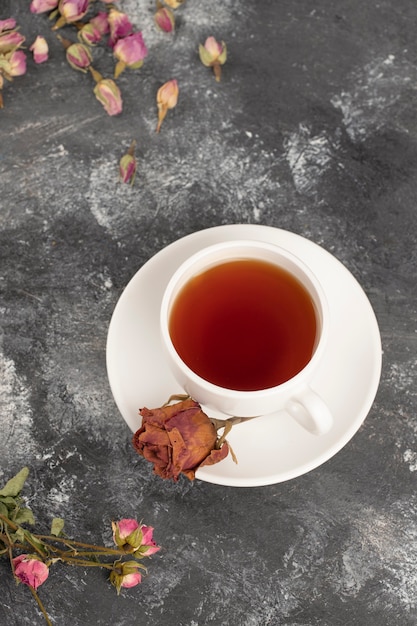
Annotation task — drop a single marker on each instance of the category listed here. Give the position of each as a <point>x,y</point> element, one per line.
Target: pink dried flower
<point>213,54</point>
<point>7,24</point>
<point>131,536</point>
<point>127,533</point>
<point>120,26</point>
<point>79,56</point>
<point>73,10</point>
<point>40,49</point>
<point>30,570</point>
<point>166,98</point>
<point>148,546</point>
<point>89,34</point>
<point>13,64</point>
<point>126,575</point>
<point>130,52</point>
<point>127,165</point>
<point>164,19</point>
<point>107,92</point>
<point>101,22</point>
<point>10,40</point>
<point>43,6</point>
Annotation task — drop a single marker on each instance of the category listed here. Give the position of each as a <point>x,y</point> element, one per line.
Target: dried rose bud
<point>29,570</point>
<point>165,20</point>
<point>73,10</point>
<point>40,49</point>
<point>213,54</point>
<point>7,24</point>
<point>130,52</point>
<point>127,165</point>
<point>119,24</point>
<point>10,40</point>
<point>89,34</point>
<point>127,534</point>
<point>43,6</point>
<point>13,64</point>
<point>166,98</point>
<point>178,439</point>
<point>107,92</point>
<point>101,22</point>
<point>79,56</point>
<point>148,545</point>
<point>174,4</point>
<point>125,574</point>
<point>130,536</point>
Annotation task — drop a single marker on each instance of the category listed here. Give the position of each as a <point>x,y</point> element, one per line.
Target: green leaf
<point>24,516</point>
<point>3,509</point>
<point>15,485</point>
<point>57,526</point>
<point>18,536</point>
<point>9,502</point>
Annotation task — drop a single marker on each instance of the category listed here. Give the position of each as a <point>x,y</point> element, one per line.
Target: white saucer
<point>273,448</point>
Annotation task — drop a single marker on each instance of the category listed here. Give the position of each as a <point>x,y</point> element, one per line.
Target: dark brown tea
<point>244,325</point>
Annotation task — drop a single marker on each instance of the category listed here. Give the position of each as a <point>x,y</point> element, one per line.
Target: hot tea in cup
<point>244,325</point>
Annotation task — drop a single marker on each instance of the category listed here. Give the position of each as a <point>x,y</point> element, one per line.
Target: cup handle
<point>311,412</point>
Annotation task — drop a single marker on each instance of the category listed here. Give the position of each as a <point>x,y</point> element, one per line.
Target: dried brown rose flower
<point>179,439</point>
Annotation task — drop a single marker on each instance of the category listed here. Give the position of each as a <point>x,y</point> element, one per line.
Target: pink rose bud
<point>213,54</point>
<point>17,63</point>
<point>107,92</point>
<point>43,6</point>
<point>8,24</point>
<point>119,24</point>
<point>101,22</point>
<point>29,570</point>
<point>165,20</point>
<point>166,98</point>
<point>130,52</point>
<point>126,575</point>
<point>89,34</point>
<point>148,546</point>
<point>127,534</point>
<point>40,49</point>
<point>127,165</point>
<point>10,40</point>
<point>79,56</point>
<point>73,10</point>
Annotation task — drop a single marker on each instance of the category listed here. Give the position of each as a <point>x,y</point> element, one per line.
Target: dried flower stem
<point>40,605</point>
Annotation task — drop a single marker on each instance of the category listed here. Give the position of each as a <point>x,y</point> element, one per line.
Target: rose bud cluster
<point>179,439</point>
<point>128,47</point>
<point>12,59</point>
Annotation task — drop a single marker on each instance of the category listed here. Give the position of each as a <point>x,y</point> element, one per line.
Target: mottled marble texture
<point>312,129</point>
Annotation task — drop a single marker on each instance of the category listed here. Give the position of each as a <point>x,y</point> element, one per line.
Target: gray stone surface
<point>313,129</point>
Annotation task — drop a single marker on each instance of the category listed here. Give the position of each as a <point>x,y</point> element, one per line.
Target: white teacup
<point>294,394</point>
